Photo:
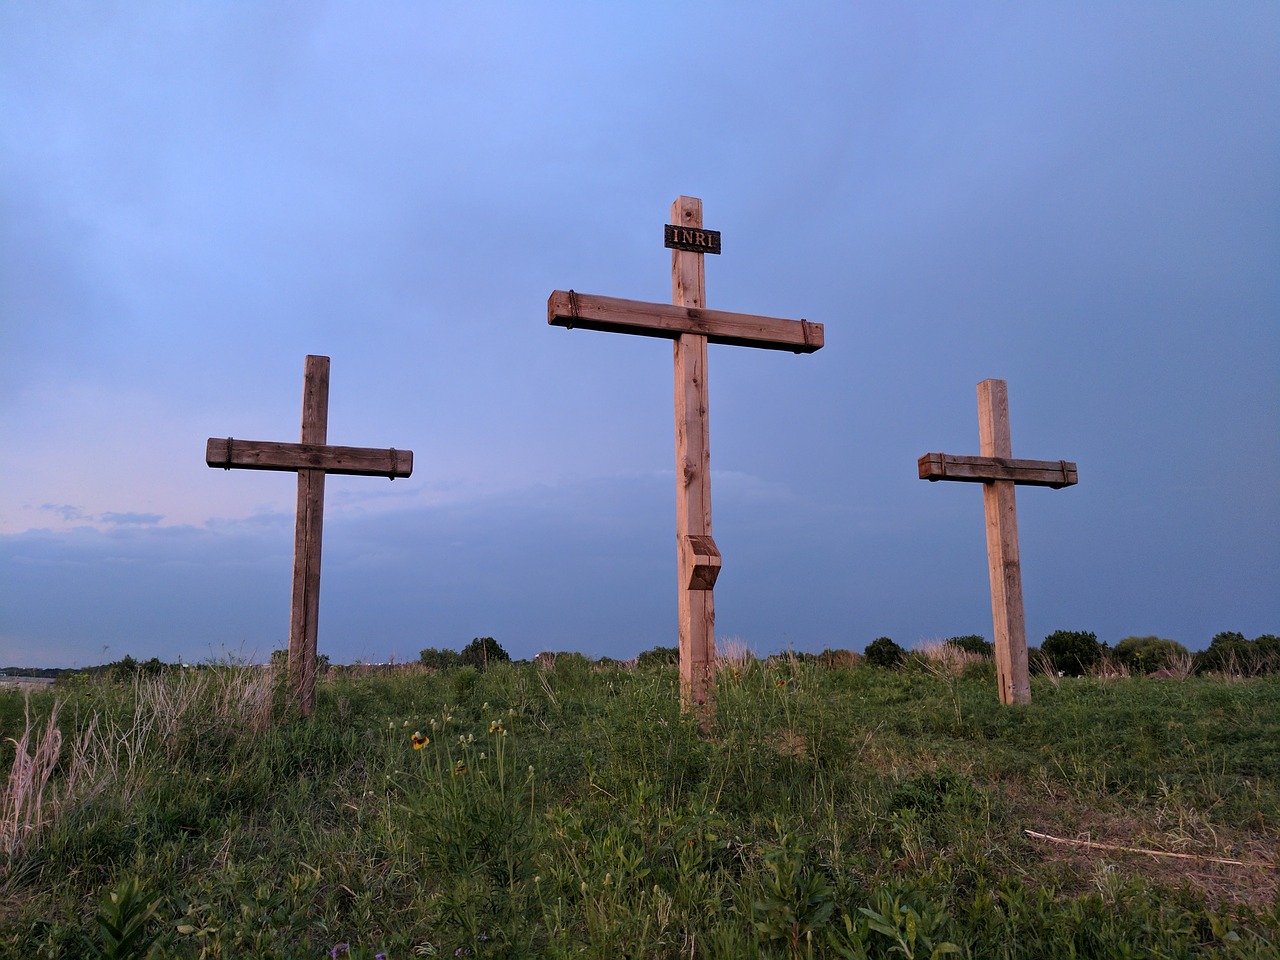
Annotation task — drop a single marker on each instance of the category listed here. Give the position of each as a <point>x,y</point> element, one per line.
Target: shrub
<point>440,659</point>
<point>128,668</point>
<point>463,681</point>
<point>280,662</point>
<point>1147,654</point>
<point>481,652</point>
<point>659,657</point>
<point>1230,653</point>
<point>1266,649</point>
<point>883,652</point>
<point>1072,652</point>
<point>972,643</point>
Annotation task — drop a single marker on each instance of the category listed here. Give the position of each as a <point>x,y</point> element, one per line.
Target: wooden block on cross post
<point>701,557</point>
<point>1000,473</point>
<point>691,326</point>
<point>311,459</point>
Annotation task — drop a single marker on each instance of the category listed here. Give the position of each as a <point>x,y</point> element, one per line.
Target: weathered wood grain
<point>270,455</point>
<point>1034,473</point>
<point>1001,474</point>
<point>698,560</point>
<point>312,459</point>
<point>691,326</point>
<point>587,311</point>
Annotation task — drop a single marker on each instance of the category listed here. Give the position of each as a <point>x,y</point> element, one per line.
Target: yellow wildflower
<point>419,741</point>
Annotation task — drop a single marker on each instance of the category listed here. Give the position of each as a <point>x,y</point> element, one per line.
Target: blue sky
<point>1080,199</point>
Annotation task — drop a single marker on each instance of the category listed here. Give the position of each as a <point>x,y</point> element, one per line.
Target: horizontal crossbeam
<point>565,308</point>
<point>1034,473</point>
<point>267,455</point>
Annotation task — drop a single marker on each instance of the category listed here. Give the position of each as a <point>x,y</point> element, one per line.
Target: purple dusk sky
<point>1080,199</point>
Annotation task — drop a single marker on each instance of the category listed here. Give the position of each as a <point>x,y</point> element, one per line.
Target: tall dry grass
<point>22,804</point>
<point>29,802</point>
<point>1181,666</point>
<point>732,653</point>
<point>1109,668</point>
<point>939,657</point>
<point>113,750</point>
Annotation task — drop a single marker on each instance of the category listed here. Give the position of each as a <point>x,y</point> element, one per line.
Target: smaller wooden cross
<point>999,473</point>
<point>311,459</point>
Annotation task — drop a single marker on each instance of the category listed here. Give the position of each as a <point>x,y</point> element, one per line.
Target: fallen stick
<point>1095,845</point>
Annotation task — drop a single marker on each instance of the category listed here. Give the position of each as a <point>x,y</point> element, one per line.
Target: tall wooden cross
<point>311,459</point>
<point>999,473</point>
<point>691,326</point>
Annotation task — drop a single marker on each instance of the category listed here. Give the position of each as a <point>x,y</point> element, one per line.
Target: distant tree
<point>972,643</point>
<point>1147,654</point>
<point>1072,652</point>
<point>126,668</point>
<point>1267,648</point>
<point>440,659</point>
<point>482,652</point>
<point>1227,638</point>
<point>1227,651</point>
<point>658,657</point>
<point>883,652</point>
<point>1230,652</point>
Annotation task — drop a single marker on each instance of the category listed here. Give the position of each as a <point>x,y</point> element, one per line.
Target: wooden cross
<point>999,473</point>
<point>311,459</point>
<point>691,326</point>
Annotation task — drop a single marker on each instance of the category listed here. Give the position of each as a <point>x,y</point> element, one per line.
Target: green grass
<point>828,813</point>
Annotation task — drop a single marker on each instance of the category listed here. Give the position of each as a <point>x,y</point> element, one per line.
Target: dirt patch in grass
<point>1227,867</point>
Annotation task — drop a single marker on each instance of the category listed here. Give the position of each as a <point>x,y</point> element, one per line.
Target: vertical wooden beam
<point>304,616</point>
<point>1003,561</point>
<point>696,607</point>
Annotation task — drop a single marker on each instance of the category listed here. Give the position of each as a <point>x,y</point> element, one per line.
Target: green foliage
<point>897,924</point>
<point>797,901</point>
<point>883,652</point>
<point>1230,653</point>
<point>122,922</point>
<point>483,652</point>
<point>126,668</point>
<point>658,657</point>
<point>1072,652</point>
<point>440,659</point>
<point>972,643</point>
<point>1147,654</point>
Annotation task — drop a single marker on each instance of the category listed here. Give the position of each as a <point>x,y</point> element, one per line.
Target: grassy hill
<point>567,809</point>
